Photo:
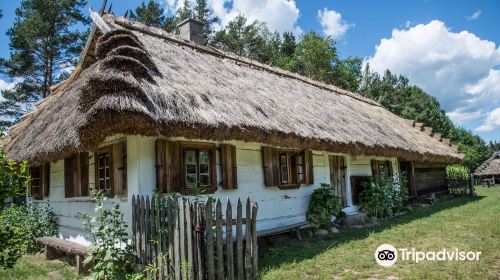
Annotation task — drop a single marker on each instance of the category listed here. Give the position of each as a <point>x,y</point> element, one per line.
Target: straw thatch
<point>490,167</point>
<point>148,82</point>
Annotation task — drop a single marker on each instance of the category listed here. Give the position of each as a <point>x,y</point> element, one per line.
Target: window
<point>104,172</point>
<point>39,180</point>
<point>287,168</point>
<point>380,167</point>
<point>198,167</point>
<point>291,165</point>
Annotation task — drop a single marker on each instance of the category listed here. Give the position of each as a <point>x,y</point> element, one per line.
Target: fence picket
<point>189,230</point>
<point>229,241</point>
<point>220,246</point>
<point>255,247</point>
<point>239,241</point>
<point>210,241</point>
<point>248,242</point>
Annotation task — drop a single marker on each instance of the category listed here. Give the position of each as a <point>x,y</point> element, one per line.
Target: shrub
<point>383,195</point>
<point>13,178</point>
<point>12,245</point>
<point>33,220</point>
<point>457,173</point>
<point>322,206</point>
<point>110,255</point>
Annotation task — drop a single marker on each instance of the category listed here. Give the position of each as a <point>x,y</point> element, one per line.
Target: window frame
<point>105,151</point>
<point>293,181</point>
<point>38,195</point>
<point>212,171</point>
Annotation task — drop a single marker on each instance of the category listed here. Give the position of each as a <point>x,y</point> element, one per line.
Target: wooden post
<point>239,241</point>
<point>220,248</point>
<point>255,246</point>
<point>210,241</point>
<point>229,241</point>
<point>248,241</point>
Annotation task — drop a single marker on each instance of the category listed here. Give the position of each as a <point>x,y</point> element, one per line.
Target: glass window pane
<point>191,180</point>
<point>204,180</point>
<point>283,168</point>
<point>190,157</point>
<point>191,169</point>
<point>299,159</point>
<point>204,157</point>
<point>301,177</point>
<point>203,168</point>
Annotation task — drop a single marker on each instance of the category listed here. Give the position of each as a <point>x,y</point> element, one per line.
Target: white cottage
<point>146,110</point>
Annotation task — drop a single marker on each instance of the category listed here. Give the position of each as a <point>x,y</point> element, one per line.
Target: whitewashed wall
<point>276,207</point>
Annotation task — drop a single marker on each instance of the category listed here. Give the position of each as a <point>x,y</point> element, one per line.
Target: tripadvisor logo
<point>387,255</point>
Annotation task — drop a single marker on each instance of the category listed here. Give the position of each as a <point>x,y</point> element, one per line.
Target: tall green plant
<point>383,195</point>
<point>322,206</point>
<point>110,255</point>
<point>13,178</point>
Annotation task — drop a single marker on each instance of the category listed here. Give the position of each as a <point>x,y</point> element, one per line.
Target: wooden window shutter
<point>69,176</point>
<point>46,179</point>
<point>374,167</point>
<point>308,167</point>
<point>161,167</point>
<point>270,163</point>
<point>84,173</point>
<point>120,167</point>
<point>389,168</point>
<point>173,167</point>
<point>229,166</point>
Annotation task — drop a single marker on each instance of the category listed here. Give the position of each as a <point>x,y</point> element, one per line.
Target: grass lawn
<point>464,223</point>
<point>36,267</point>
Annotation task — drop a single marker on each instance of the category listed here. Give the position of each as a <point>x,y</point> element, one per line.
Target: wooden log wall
<point>175,238</point>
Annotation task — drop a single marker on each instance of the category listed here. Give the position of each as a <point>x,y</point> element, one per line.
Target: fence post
<point>210,241</point>
<point>229,241</point>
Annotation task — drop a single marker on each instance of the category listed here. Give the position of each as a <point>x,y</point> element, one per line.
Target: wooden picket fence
<point>175,238</point>
<point>460,186</point>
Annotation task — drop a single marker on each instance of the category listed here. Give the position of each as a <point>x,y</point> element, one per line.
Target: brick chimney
<point>192,30</point>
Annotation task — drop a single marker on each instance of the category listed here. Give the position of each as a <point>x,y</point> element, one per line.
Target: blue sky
<point>449,48</point>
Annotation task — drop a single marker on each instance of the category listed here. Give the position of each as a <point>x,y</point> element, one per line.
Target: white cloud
<point>332,23</point>
<point>455,67</point>
<point>460,117</point>
<point>474,16</point>
<point>492,121</point>
<point>280,15</point>
<point>6,85</point>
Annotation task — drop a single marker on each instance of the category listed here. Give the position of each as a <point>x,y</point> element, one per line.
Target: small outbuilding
<point>489,171</point>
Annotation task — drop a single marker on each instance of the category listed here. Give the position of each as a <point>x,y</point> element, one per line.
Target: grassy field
<point>464,223</point>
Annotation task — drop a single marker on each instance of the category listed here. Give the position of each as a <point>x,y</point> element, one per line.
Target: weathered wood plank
<point>255,247</point>
<point>177,257</point>
<point>248,242</point>
<point>210,241</point>
<point>182,234</point>
<point>239,241</point>
<point>229,242</point>
<point>220,246</point>
<point>199,240</point>
<point>189,241</point>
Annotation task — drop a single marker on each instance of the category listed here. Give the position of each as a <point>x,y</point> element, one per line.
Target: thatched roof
<point>489,167</point>
<point>149,82</point>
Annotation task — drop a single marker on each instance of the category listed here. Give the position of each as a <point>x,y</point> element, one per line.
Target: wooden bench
<point>54,246</point>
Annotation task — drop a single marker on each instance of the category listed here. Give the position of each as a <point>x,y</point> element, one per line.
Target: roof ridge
<point>153,31</point>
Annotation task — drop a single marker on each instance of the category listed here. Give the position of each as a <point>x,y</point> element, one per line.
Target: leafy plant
<point>13,178</point>
<point>322,206</point>
<point>12,245</point>
<point>110,254</point>
<point>33,220</point>
<point>383,195</point>
<point>457,173</point>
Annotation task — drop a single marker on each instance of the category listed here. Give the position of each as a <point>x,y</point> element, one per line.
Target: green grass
<point>36,267</point>
<point>469,224</point>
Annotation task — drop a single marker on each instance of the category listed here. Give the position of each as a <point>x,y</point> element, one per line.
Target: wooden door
<point>337,177</point>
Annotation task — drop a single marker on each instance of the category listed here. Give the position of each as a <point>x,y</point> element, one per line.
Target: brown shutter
<point>161,167</point>
<point>120,167</point>
<point>270,163</point>
<point>389,168</point>
<point>229,167</point>
<point>173,168</point>
<point>374,167</point>
<point>69,176</point>
<point>308,167</point>
<point>84,173</point>
<point>46,179</point>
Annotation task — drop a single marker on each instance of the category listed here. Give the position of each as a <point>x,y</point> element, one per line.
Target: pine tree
<point>205,14</point>
<point>185,12</point>
<point>44,45</point>
<point>152,14</point>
